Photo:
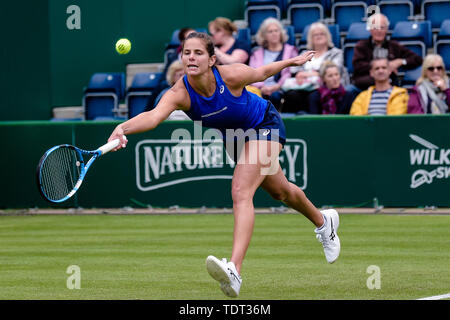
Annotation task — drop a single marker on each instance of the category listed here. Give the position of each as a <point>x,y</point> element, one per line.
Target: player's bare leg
<point>281,189</point>
<point>326,221</point>
<point>246,179</point>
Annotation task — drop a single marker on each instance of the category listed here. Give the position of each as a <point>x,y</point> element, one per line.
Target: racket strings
<point>60,172</point>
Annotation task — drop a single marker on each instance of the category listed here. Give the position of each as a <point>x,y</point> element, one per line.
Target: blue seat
<point>357,31</point>
<point>396,10</point>
<point>344,13</point>
<point>444,30</point>
<point>303,13</point>
<point>348,50</point>
<point>335,34</point>
<point>436,11</point>
<point>102,95</point>
<point>416,35</point>
<point>255,15</point>
<point>281,4</point>
<point>410,77</point>
<point>144,85</point>
<point>442,48</point>
<point>244,36</point>
<point>291,35</point>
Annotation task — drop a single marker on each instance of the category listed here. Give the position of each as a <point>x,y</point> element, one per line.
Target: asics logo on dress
<point>222,89</point>
<point>265,133</point>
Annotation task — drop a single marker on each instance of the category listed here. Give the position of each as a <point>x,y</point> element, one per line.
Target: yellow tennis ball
<point>123,46</point>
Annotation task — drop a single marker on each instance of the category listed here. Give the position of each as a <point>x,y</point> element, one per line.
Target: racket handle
<point>109,146</point>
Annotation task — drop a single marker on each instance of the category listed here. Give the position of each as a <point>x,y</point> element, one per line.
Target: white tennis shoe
<point>327,235</point>
<point>226,274</point>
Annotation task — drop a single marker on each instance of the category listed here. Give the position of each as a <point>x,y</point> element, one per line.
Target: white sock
<point>324,223</point>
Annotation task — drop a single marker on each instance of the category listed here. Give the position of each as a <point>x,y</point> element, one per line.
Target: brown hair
<point>327,64</point>
<point>223,23</point>
<point>209,45</point>
<point>182,33</point>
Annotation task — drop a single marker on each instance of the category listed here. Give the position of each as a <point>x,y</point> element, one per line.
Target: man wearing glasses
<point>378,46</point>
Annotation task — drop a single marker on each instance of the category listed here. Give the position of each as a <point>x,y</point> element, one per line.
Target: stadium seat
<point>335,34</point>
<point>244,35</point>
<point>291,35</point>
<point>348,49</point>
<point>415,35</point>
<point>344,13</point>
<point>143,86</point>
<point>396,10</point>
<point>281,4</point>
<point>102,95</point>
<point>302,13</point>
<point>174,41</point>
<point>410,77</point>
<point>255,15</point>
<point>436,11</point>
<point>444,30</point>
<point>357,31</point>
<point>442,48</point>
<point>442,43</point>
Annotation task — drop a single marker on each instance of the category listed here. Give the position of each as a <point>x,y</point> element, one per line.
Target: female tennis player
<point>216,95</point>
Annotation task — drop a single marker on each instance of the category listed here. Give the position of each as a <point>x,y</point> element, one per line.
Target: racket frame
<point>83,167</point>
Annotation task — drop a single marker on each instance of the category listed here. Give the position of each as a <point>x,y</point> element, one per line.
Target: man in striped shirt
<point>381,98</point>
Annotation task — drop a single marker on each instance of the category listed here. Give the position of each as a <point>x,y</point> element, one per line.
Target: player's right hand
<point>118,134</point>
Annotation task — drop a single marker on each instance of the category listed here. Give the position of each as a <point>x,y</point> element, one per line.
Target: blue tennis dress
<point>225,111</point>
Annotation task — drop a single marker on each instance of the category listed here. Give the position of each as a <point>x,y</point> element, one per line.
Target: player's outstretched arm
<point>242,75</point>
<point>172,100</point>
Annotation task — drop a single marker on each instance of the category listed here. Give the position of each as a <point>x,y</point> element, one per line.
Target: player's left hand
<point>303,58</point>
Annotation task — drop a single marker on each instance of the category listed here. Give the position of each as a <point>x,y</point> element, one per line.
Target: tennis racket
<point>62,169</point>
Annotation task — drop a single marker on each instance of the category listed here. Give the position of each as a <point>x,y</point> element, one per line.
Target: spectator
<point>271,38</point>
<point>307,78</point>
<point>431,94</point>
<point>331,97</point>
<point>381,98</point>
<point>378,46</point>
<point>228,49</point>
<point>174,73</point>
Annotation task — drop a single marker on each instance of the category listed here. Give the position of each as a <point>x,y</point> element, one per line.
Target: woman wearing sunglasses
<point>431,94</point>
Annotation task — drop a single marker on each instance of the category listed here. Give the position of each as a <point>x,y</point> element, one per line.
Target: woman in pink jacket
<point>272,38</point>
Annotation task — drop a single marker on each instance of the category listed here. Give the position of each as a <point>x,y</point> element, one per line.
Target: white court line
<point>442,296</point>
